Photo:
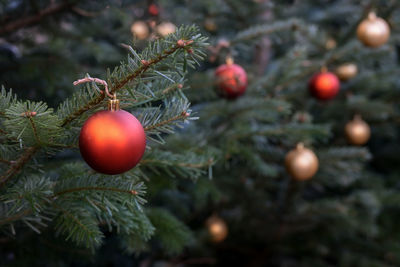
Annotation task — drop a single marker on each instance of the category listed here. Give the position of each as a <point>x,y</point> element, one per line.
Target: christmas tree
<point>266,206</point>
<point>49,196</point>
<point>297,115</point>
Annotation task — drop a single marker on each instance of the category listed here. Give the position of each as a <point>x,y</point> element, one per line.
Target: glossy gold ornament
<point>330,44</point>
<point>166,28</point>
<point>210,25</point>
<point>301,163</point>
<point>357,131</point>
<point>217,229</point>
<point>140,30</point>
<point>346,71</point>
<point>373,31</point>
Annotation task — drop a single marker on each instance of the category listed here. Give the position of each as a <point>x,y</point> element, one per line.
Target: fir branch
<point>257,31</point>
<point>94,102</point>
<point>181,116</point>
<point>15,217</point>
<point>17,166</point>
<point>81,227</point>
<point>146,64</point>
<point>5,161</point>
<point>72,190</point>
<point>172,88</point>
<point>34,129</point>
<point>33,19</point>
<point>180,164</point>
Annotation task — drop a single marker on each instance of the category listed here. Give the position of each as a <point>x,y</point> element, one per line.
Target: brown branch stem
<point>17,166</point>
<point>34,130</point>
<point>179,117</point>
<point>35,18</point>
<point>15,217</point>
<point>143,68</point>
<point>181,164</point>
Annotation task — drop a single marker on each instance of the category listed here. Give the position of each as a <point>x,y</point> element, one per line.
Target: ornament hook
<point>300,146</point>
<point>357,117</point>
<point>229,60</point>
<point>371,15</point>
<point>96,80</point>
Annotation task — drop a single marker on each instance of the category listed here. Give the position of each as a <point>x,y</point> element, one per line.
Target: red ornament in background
<point>324,85</point>
<point>153,10</point>
<point>112,141</point>
<point>231,80</point>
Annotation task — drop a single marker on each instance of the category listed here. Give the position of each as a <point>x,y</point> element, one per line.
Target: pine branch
<point>181,164</point>
<point>183,115</point>
<point>180,44</point>
<point>187,165</point>
<point>265,29</point>
<point>36,18</point>
<point>35,133</point>
<point>17,166</point>
<point>16,217</point>
<point>95,188</point>
<point>146,64</point>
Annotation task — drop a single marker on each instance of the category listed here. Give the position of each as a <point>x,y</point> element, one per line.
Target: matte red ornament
<point>112,142</point>
<point>324,85</point>
<point>153,10</point>
<point>231,80</point>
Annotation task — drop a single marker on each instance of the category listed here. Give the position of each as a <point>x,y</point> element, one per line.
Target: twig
<point>34,130</point>
<point>16,216</point>
<point>143,68</point>
<point>181,164</point>
<point>5,161</point>
<point>15,168</point>
<point>85,13</point>
<point>72,190</point>
<point>33,19</point>
<point>179,117</point>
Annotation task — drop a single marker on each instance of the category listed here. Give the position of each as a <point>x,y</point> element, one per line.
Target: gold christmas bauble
<point>346,71</point>
<point>330,44</point>
<point>166,28</point>
<point>140,30</point>
<point>210,25</point>
<point>357,131</point>
<point>373,31</point>
<point>301,163</point>
<point>217,229</point>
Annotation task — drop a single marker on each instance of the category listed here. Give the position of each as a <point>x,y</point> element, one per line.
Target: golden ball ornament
<point>217,229</point>
<point>346,71</point>
<point>357,131</point>
<point>373,31</point>
<point>210,25</point>
<point>330,44</point>
<point>166,28</point>
<point>301,163</point>
<point>140,30</point>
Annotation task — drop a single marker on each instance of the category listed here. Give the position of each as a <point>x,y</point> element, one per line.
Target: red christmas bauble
<point>112,142</point>
<point>231,80</point>
<point>153,10</point>
<point>324,85</point>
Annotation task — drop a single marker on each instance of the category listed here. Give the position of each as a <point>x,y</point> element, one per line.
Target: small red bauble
<point>324,85</point>
<point>231,80</point>
<point>112,142</point>
<point>153,10</point>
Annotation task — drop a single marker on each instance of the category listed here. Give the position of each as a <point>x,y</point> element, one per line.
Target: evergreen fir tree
<point>345,215</point>
<point>50,199</point>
